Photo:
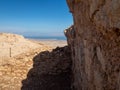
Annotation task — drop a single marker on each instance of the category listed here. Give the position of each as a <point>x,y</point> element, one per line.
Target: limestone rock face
<point>95,44</point>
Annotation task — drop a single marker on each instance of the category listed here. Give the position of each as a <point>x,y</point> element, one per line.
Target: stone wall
<point>95,44</point>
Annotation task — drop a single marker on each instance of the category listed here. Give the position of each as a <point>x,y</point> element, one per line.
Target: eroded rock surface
<point>51,71</point>
<point>95,43</point>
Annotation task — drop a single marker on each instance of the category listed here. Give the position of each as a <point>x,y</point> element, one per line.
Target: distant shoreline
<point>45,38</point>
<point>50,42</point>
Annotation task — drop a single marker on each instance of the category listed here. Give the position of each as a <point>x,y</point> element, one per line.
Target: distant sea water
<point>46,37</point>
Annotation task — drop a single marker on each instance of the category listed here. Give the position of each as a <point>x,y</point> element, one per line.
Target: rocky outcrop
<point>51,71</point>
<point>95,44</point>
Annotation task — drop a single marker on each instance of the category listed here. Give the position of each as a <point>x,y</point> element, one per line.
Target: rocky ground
<point>14,70</point>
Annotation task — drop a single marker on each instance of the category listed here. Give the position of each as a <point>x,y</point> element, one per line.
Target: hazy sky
<point>34,17</point>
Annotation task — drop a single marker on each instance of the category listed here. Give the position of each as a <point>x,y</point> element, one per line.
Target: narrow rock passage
<point>51,71</point>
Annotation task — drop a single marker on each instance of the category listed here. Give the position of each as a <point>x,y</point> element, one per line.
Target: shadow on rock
<point>51,71</point>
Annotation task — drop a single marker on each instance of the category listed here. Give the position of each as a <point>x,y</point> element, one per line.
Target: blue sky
<point>34,17</point>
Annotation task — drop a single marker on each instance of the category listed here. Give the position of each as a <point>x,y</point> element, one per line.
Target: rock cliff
<point>95,44</point>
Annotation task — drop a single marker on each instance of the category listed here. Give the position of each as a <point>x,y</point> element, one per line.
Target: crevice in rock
<point>117,31</point>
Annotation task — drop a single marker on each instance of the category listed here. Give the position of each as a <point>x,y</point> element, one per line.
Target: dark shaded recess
<point>117,31</point>
<point>51,71</point>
